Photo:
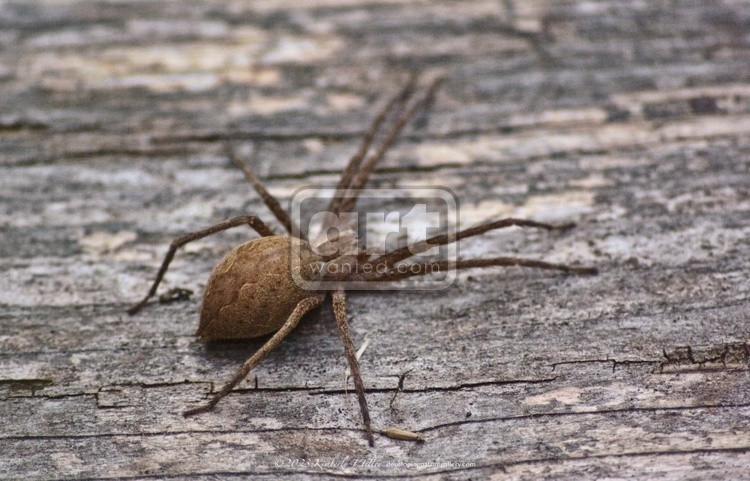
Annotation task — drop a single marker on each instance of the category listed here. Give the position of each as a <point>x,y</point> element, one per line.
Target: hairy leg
<point>361,178</point>
<point>386,261</point>
<point>250,220</point>
<point>268,199</point>
<point>404,271</point>
<point>303,307</point>
<point>354,163</point>
<point>339,311</point>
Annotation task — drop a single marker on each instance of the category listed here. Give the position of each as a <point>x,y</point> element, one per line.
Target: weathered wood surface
<point>631,118</point>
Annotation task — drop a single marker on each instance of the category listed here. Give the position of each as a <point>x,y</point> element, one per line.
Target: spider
<point>251,292</point>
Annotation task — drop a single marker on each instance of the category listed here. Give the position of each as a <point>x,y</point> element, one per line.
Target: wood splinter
<point>402,434</point>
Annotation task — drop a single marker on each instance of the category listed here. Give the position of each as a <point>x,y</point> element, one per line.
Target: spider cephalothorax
<point>253,291</point>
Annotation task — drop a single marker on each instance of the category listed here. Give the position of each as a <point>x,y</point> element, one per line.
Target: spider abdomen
<point>251,291</point>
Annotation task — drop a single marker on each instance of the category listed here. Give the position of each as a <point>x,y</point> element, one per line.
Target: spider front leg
<point>250,220</point>
<point>339,311</point>
<point>361,178</point>
<point>386,261</point>
<point>303,307</point>
<point>403,271</point>
<point>395,104</point>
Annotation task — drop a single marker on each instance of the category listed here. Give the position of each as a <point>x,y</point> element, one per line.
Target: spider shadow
<point>306,333</point>
<point>316,332</point>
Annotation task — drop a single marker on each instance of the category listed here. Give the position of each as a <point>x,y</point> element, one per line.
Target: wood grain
<point>629,118</point>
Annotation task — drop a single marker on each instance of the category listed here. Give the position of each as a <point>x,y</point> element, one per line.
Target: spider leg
<point>268,199</point>
<point>354,163</point>
<point>386,261</point>
<point>339,311</point>
<point>250,220</point>
<point>360,179</point>
<point>403,271</point>
<point>303,307</point>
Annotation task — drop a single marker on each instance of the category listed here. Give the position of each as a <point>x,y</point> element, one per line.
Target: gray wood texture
<point>630,118</point>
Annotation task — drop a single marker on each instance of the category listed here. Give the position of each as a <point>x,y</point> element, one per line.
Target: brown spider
<point>252,292</point>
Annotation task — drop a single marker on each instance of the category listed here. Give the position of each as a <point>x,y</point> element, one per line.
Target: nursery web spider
<point>251,293</point>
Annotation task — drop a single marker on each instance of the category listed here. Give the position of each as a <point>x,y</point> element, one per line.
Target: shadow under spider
<point>251,293</point>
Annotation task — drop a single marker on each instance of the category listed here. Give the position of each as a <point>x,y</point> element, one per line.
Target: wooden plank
<point>630,119</point>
